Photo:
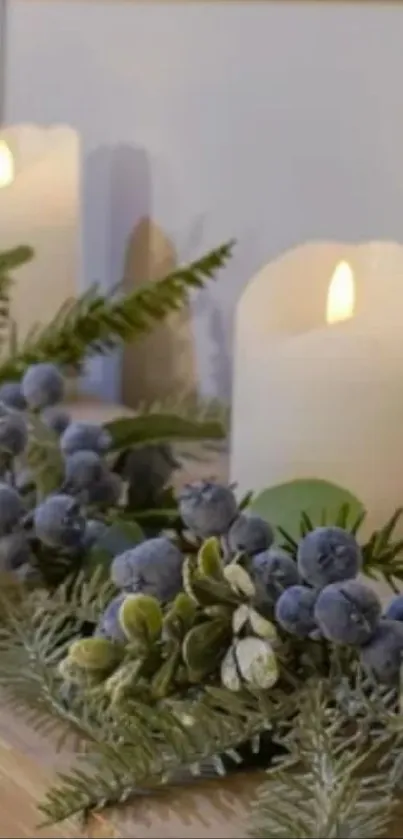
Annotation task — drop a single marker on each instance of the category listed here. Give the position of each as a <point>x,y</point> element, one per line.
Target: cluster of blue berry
<point>329,602</point>
<point>58,521</point>
<point>316,597</point>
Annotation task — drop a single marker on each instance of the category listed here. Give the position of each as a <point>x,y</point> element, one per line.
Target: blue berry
<point>58,522</point>
<point>295,611</point>
<point>15,551</point>
<point>274,571</point>
<point>42,385</point>
<point>249,534</point>
<point>24,480</point>
<point>13,432</point>
<point>394,611</point>
<point>82,469</point>
<point>12,396</point>
<point>108,625</point>
<point>328,555</point>
<point>347,612</point>
<point>87,436</point>
<point>106,492</point>
<point>147,471</point>
<point>11,509</point>
<point>383,654</point>
<point>207,509</point>
<point>56,419</point>
<point>153,567</point>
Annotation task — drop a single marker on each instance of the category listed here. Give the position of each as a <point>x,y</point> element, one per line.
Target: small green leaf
<point>161,428</point>
<point>205,591</point>
<point>283,505</point>
<point>262,627</point>
<point>73,674</point>
<point>95,654</point>
<point>209,558</point>
<point>230,676</point>
<point>140,617</point>
<point>180,616</point>
<point>189,576</point>
<point>239,618</point>
<point>124,681</point>
<point>163,679</point>
<point>204,644</point>
<point>211,592</point>
<point>239,579</point>
<point>256,662</point>
<point>225,612</point>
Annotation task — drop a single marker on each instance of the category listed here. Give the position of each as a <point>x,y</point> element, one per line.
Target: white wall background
<point>272,122</point>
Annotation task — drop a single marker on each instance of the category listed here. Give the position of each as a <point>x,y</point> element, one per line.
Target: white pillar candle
<point>40,207</point>
<point>327,401</point>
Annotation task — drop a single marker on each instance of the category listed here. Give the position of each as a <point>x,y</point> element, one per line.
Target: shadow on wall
<point>124,242</point>
<point>219,341</point>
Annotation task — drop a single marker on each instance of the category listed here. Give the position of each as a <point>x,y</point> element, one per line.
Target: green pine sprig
<point>330,784</point>
<point>14,258</point>
<point>9,261</point>
<point>383,553</point>
<point>151,748</point>
<point>95,323</point>
<point>160,424</point>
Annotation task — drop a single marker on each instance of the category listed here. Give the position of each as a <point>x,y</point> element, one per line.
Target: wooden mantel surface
<point>28,763</point>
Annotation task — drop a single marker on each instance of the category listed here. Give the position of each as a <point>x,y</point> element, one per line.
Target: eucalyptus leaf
<point>283,505</point>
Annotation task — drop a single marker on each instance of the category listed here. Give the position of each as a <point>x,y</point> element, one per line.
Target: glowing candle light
<point>341,294</point>
<point>7,166</point>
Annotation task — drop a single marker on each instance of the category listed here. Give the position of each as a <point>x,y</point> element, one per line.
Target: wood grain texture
<point>27,766</point>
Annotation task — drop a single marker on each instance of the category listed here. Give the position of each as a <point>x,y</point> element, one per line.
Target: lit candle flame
<point>341,294</point>
<point>7,169</point>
